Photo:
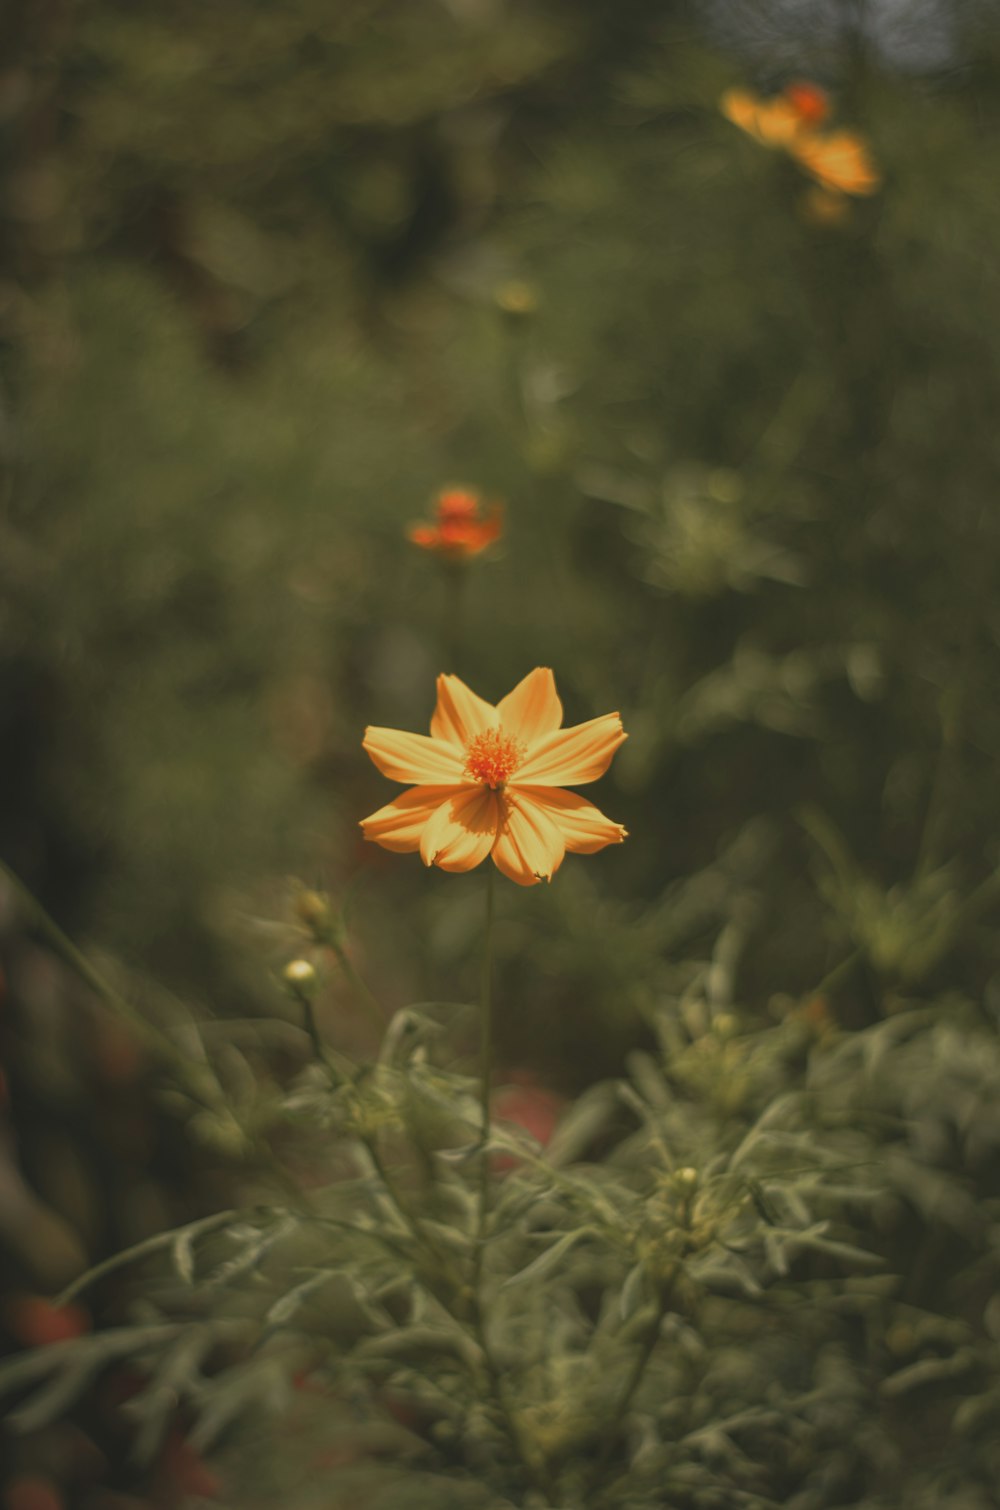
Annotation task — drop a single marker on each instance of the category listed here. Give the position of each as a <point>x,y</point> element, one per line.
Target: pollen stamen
<point>492,757</point>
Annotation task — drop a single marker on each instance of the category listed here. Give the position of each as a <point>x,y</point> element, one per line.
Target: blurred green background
<point>273,276</point>
<point>255,265</point>
<point>254,273</point>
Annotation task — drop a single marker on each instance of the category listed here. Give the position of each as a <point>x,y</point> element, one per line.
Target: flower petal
<point>460,715</point>
<point>533,708</point>
<point>583,826</point>
<point>840,160</point>
<point>529,847</point>
<point>462,830</point>
<point>772,122</point>
<point>570,757</point>
<point>399,825</point>
<point>413,757</point>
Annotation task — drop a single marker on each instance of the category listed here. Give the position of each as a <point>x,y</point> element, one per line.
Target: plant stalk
<point>486,1056</point>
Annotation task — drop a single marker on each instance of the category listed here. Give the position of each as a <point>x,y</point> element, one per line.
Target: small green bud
<point>313,909</point>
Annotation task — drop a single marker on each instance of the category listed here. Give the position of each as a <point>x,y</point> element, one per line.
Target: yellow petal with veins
<point>530,847</point>
<point>461,831</point>
<point>533,708</point>
<point>584,827</point>
<point>413,757</point>
<point>399,825</point>
<point>570,757</point>
<point>460,715</point>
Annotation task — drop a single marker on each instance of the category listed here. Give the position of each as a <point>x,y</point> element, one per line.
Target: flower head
<point>795,121</point>
<point>776,121</point>
<point>459,529</point>
<point>487,782</point>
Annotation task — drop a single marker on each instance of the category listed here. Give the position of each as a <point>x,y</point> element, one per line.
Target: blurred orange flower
<point>838,160</point>
<point>459,529</point>
<point>486,782</point>
<point>778,120</point>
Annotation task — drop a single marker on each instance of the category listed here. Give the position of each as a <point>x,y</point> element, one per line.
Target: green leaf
<point>550,1257</point>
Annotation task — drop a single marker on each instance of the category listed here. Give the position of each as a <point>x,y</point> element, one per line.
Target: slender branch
<point>639,1364</point>
<point>416,1231</point>
<point>361,989</point>
<point>456,574</point>
<point>485,1079</point>
<point>838,974</point>
<point>636,1373</point>
<point>534,1473</point>
<point>338,1068</point>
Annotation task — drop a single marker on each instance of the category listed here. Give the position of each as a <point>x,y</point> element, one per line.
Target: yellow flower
<point>487,782</point>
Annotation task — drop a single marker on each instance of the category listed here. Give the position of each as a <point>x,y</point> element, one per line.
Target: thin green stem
<point>535,1473</point>
<point>456,575</point>
<point>336,1066</point>
<point>635,1375</point>
<point>485,1078</point>
<point>399,1205</point>
<point>312,1027</point>
<point>486,1055</point>
<point>838,974</point>
<point>361,990</point>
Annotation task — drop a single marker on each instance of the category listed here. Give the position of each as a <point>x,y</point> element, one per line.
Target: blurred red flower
<point>530,1106</point>
<point>459,529</point>
<point>35,1322</point>
<point>811,102</point>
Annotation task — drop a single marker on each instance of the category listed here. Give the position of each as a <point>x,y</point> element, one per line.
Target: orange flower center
<point>492,757</point>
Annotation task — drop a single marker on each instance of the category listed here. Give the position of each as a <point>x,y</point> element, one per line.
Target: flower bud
<point>312,906</point>
<point>516,298</point>
<point>313,909</point>
<point>300,976</point>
